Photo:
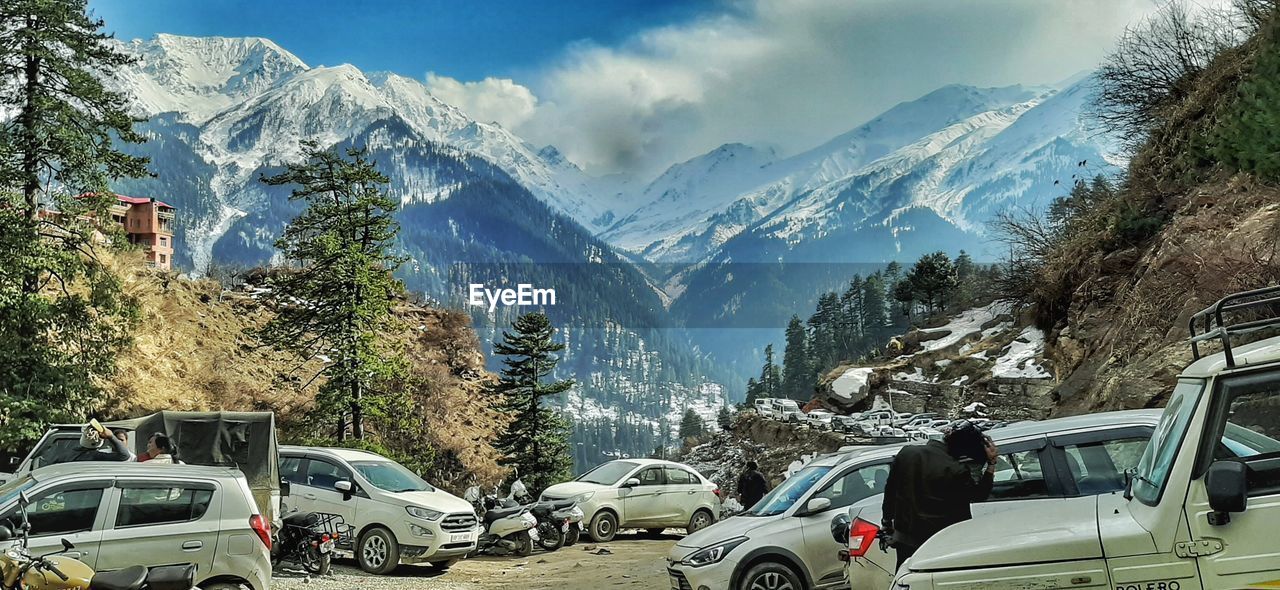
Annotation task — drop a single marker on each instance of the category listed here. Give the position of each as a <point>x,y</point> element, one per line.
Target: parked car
<point>787,410</point>
<point>787,537</point>
<point>819,419</point>
<point>395,516</point>
<point>845,424</point>
<point>125,514</point>
<point>763,405</point>
<point>640,493</point>
<point>1203,506</point>
<point>920,421</point>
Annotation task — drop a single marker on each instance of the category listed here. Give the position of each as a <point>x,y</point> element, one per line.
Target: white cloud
<point>490,99</point>
<point>793,73</point>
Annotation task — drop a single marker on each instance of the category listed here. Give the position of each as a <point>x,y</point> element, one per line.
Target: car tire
<point>443,566</point>
<point>700,520</point>
<point>770,575</point>
<point>378,552</point>
<point>604,527</point>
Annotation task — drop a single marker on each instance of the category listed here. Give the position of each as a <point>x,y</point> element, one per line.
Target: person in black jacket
<point>931,486</point>
<point>752,486</point>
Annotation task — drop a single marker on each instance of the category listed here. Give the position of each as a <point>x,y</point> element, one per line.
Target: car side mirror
<point>631,483</point>
<point>345,487</point>
<point>840,528</point>
<point>286,488</point>
<point>817,505</point>
<point>1228,485</point>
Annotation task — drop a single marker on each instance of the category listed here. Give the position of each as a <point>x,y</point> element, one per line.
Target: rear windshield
<point>608,474</point>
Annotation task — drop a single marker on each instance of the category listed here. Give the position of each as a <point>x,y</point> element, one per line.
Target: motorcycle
<point>559,523</point>
<point>308,539</point>
<point>503,530</point>
<point>20,570</point>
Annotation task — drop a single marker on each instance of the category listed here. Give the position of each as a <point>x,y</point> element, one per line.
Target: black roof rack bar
<point>1215,327</point>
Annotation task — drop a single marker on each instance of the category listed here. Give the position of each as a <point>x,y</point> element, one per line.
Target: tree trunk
<point>31,152</point>
<point>357,413</point>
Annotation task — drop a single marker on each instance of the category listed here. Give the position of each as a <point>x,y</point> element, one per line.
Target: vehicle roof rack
<point>1208,323</point>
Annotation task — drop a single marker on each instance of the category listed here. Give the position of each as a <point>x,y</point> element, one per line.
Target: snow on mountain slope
<point>780,182</point>
<point>255,103</point>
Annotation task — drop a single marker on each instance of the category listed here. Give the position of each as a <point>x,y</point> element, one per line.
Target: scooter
<point>559,523</point>
<point>19,570</point>
<point>504,531</point>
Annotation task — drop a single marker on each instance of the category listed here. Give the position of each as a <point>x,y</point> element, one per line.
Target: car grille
<point>450,546</point>
<point>458,522</point>
<point>679,580</point>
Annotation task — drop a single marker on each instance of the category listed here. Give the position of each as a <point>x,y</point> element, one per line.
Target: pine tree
<point>336,299</point>
<point>905,295</point>
<point>933,280</point>
<point>876,311</point>
<point>691,426</point>
<point>770,382</point>
<point>851,330</point>
<point>822,332</point>
<point>537,441</point>
<point>797,376</point>
<point>753,392</point>
<point>967,278</point>
<point>65,315</point>
<point>724,418</point>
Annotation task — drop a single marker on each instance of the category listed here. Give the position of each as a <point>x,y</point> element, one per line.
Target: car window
<point>1098,467</point>
<point>291,470</point>
<point>1250,428</point>
<point>59,513</point>
<point>677,476</point>
<point>150,505</point>
<point>608,473</point>
<point>856,485</point>
<point>651,477</point>
<point>1157,460</point>
<point>1019,475</point>
<point>323,474</point>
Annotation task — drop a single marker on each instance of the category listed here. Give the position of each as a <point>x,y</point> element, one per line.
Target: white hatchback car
<point>643,494</point>
<point>395,516</point>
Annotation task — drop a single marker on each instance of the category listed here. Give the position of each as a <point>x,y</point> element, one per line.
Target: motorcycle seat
<point>302,519</point>
<point>499,513</point>
<point>130,578</point>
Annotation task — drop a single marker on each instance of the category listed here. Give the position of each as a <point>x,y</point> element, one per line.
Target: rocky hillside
<point>192,352</point>
<point>772,444</point>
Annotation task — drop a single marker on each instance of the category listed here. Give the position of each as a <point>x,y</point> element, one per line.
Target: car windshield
<point>1157,460</point>
<point>391,476</point>
<point>10,490</point>
<point>786,495</point>
<point>609,473</point>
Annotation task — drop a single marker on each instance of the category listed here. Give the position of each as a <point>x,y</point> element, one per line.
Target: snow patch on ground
<point>1019,359</point>
<point>967,323</point>
<point>915,377</point>
<point>851,382</point>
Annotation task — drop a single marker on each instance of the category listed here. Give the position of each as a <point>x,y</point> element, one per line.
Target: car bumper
<point>716,576</point>
<point>422,540</point>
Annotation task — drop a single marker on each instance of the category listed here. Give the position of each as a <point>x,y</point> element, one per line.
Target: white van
<point>1201,509</point>
<point>395,516</point>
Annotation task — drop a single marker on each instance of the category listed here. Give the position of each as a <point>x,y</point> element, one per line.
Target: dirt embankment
<point>772,444</point>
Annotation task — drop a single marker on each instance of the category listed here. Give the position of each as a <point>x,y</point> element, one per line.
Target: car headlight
<point>713,554</point>
<point>423,513</point>
<point>580,498</point>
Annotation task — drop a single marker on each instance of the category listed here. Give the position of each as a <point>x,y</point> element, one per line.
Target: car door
<point>683,495</point>
<point>852,484</point>
<point>1025,474</point>
<point>72,511</point>
<point>642,505</point>
<point>293,469</point>
<point>321,475</point>
<point>155,523</point>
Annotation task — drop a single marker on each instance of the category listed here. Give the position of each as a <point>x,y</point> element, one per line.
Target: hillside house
<point>147,223</point>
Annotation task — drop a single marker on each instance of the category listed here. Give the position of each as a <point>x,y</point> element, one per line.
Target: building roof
<point>141,201</point>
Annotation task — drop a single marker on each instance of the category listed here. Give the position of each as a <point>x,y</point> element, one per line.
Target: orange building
<point>148,223</point>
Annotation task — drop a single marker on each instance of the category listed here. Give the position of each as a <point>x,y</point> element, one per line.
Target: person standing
<point>752,486</point>
<point>930,486</point>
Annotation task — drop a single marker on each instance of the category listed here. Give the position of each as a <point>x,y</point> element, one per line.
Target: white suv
<point>125,514</point>
<point>395,516</point>
<point>640,493</point>
<point>787,539</point>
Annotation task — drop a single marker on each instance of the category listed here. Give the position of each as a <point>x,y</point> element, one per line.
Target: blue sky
<point>462,39</point>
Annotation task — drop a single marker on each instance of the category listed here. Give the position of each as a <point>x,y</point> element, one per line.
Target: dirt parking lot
<point>632,561</point>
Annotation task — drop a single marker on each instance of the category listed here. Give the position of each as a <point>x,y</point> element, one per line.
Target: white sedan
<point>641,494</point>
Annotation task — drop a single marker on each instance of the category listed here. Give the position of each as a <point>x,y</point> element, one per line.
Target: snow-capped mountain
<point>250,103</point>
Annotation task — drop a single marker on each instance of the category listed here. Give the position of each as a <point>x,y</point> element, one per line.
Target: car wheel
<point>770,576</point>
<point>604,526</point>
<point>571,537</point>
<point>378,553</point>
<point>443,566</point>
<point>700,520</point>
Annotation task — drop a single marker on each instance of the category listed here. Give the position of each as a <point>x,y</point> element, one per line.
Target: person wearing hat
<point>931,486</point>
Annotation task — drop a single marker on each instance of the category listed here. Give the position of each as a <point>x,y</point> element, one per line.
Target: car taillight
<point>861,536</point>
<point>259,525</point>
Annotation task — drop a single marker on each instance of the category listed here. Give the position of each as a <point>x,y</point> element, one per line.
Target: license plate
<point>326,547</point>
<point>460,538</point>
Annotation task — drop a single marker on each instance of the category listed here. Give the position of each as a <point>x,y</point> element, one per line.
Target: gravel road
<point>633,561</point>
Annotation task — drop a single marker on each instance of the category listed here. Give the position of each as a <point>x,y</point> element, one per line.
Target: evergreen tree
<point>537,441</point>
<point>850,328</point>
<point>770,383</point>
<point>797,376</point>
<point>876,311</point>
<point>724,418</point>
<point>691,426</point>
<point>343,272</point>
<point>933,280</point>
<point>753,391</point>
<point>967,280</point>
<point>822,332</point>
<point>65,317</point>
<point>905,295</point>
